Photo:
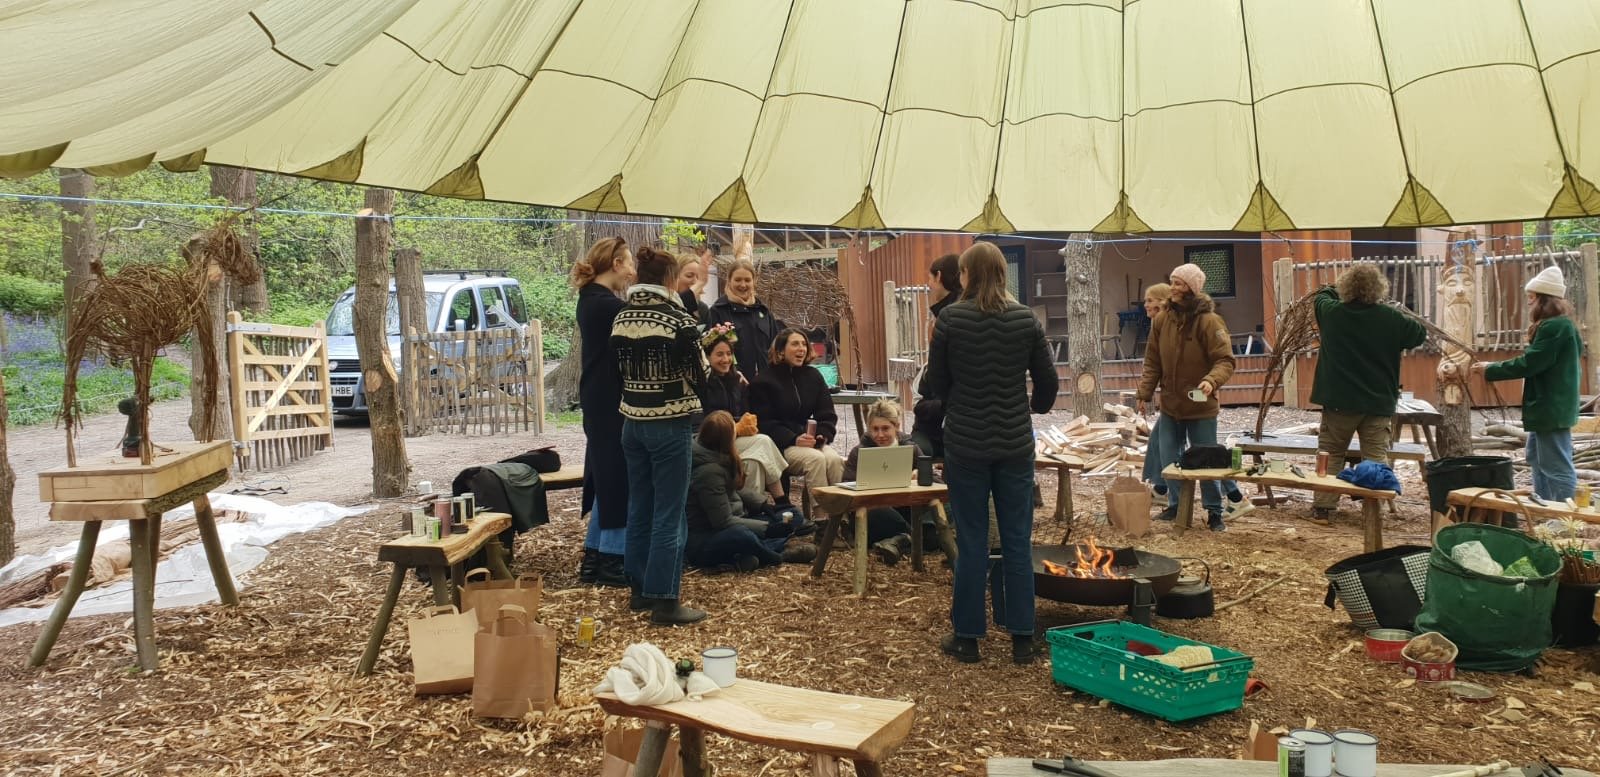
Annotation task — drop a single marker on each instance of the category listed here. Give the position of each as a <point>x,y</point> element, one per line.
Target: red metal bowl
<point>1385,644</point>
<point>1429,673</point>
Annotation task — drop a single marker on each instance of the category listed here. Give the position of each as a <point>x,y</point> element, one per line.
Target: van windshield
<point>342,319</point>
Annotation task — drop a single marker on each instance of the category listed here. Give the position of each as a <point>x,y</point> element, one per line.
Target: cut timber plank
<point>796,719</point>
<point>449,551</point>
<point>1460,497</point>
<point>566,477</point>
<point>841,501</point>
<point>109,477</point>
<point>1284,479</point>
<point>1306,445</point>
<point>136,509</point>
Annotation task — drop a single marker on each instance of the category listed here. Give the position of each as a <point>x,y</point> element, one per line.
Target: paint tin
<point>1319,751</point>
<point>1291,757</point>
<point>1582,496</point>
<point>585,631</point>
<point>419,522</point>
<point>1237,455</point>
<point>1322,464</point>
<point>472,504</point>
<point>435,529</point>
<point>442,507</point>
<point>1356,753</point>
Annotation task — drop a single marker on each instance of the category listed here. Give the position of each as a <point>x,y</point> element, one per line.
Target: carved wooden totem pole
<point>1456,300</point>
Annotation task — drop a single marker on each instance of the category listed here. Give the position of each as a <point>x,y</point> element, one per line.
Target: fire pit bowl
<point>1125,565</point>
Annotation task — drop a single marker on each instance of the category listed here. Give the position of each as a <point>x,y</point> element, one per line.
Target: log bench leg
<point>652,748</point>
<point>946,535</point>
<point>824,765</point>
<point>380,628</point>
<point>439,576</point>
<point>1063,495</point>
<point>218,562</point>
<point>497,560</point>
<point>144,588</point>
<point>69,595</point>
<point>1372,516</point>
<point>692,748</point>
<point>916,538</point>
<point>1185,505</point>
<point>830,533</point>
<point>867,768</point>
<point>861,552</point>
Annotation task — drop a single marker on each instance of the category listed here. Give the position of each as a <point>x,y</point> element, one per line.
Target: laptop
<point>878,468</point>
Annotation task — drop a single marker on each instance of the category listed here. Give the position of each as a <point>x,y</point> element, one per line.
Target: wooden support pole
<point>207,523</point>
<point>1372,521</point>
<point>1083,325</point>
<point>390,469</point>
<point>143,546</point>
<point>1185,505</point>
<point>69,595</point>
<point>692,749</point>
<point>1284,291</point>
<point>380,628</point>
<point>652,748</point>
<point>862,558</point>
<point>1590,291</point>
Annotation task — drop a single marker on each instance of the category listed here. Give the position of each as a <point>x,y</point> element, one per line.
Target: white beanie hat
<point>1192,275</point>
<point>1548,281</point>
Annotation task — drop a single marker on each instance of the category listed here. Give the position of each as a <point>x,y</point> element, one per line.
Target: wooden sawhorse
<point>443,559</point>
<point>829,726</point>
<point>111,488</point>
<point>1371,501</point>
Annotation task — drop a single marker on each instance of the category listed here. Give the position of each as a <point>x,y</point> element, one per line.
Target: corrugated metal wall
<point>863,273</point>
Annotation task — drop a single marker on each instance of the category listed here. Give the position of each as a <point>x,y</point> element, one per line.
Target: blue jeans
<point>727,545</point>
<point>972,482</point>
<point>609,541</point>
<point>1174,435</point>
<point>658,459</point>
<point>1550,458</point>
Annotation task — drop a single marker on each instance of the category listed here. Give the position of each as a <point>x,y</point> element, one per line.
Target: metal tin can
<point>472,504</point>
<point>435,529</point>
<point>1582,496</point>
<point>1322,464</point>
<point>585,631</point>
<point>1291,757</point>
<point>442,507</point>
<point>459,514</point>
<point>419,522</point>
<point>1238,457</point>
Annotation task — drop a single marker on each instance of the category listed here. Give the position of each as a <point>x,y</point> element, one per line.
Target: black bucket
<point>1446,475</point>
<point>1572,620</point>
<point>1381,589</point>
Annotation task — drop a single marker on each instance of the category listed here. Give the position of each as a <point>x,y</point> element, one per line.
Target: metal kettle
<point>1191,598</point>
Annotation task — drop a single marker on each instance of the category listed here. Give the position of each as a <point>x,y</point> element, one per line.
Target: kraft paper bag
<point>485,596</point>
<point>441,650</point>
<point>516,664</point>
<point>1128,506</point>
<point>622,752</point>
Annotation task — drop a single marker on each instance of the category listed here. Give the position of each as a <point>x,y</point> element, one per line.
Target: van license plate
<point>344,391</point>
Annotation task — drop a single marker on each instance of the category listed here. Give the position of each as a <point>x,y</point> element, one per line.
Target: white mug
<point>1196,395</point>
<point>424,486</point>
<point>721,664</point>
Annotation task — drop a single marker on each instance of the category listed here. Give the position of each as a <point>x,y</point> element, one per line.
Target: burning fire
<point>1095,562</point>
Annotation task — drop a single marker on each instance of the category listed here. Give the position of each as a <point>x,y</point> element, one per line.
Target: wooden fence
<point>488,382</point>
<point>278,386</point>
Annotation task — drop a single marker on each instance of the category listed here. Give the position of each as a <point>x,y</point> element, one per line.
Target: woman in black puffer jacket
<point>793,407</point>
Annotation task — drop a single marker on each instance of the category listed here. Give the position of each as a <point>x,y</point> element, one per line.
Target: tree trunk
<point>1455,430</point>
<point>8,481</point>
<point>1083,327</point>
<point>217,284</point>
<point>413,318</point>
<point>77,233</point>
<point>390,469</point>
<point>238,187</point>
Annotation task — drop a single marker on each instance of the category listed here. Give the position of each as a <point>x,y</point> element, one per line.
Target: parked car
<point>455,300</point>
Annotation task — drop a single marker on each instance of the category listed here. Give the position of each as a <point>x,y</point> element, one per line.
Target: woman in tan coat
<point>1189,351</point>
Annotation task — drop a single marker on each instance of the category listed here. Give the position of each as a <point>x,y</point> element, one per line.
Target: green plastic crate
<point>1095,658</point>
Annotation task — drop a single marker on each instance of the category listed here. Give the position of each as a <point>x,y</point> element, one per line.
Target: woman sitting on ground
<point>793,407</point>
<point>888,528</point>
<point>725,389</point>
<point>723,527</point>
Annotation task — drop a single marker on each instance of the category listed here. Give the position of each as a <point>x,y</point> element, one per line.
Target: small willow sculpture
<point>129,315</point>
<point>808,296</point>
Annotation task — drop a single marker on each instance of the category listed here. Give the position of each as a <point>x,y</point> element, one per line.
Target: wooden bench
<point>1460,498</point>
<point>562,479</point>
<point>1220,767</point>
<point>828,726</point>
<point>839,502</point>
<point>444,561</point>
<point>1371,500</point>
<point>111,488</point>
<point>1064,465</point>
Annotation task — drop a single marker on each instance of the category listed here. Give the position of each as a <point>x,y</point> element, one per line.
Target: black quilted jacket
<point>979,363</point>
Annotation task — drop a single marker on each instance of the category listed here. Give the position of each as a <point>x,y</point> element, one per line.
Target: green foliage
<point>1567,233</point>
<point>287,313</point>
<point>19,294</point>
<point>33,391</point>
<point>682,235</point>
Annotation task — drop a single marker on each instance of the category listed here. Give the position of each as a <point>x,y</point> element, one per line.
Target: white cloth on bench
<point>646,677</point>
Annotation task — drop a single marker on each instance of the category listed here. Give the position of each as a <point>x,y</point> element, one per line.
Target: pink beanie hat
<point>1192,275</point>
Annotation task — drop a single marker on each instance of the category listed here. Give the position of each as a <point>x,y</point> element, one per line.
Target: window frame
<point>1233,267</point>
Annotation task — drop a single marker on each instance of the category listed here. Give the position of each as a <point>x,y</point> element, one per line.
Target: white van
<point>479,299</point>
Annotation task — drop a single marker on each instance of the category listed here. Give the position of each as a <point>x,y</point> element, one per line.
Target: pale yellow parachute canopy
<point>1105,115</point>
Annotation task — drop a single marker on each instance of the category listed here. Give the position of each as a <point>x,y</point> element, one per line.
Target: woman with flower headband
<point>725,389</point>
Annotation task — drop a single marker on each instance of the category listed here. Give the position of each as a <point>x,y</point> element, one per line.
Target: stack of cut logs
<point>1510,436</point>
<point>1106,447</point>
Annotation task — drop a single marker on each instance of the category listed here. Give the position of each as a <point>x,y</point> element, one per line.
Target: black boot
<point>610,572</point>
<point>589,567</point>
<point>636,600</point>
<point>668,612</point>
<point>963,649</point>
<point>1024,649</point>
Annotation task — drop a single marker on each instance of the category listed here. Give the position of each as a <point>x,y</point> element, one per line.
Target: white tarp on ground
<point>985,115</point>
<point>183,579</point>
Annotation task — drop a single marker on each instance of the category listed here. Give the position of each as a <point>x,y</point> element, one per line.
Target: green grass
<point>565,417</point>
<point>34,381</point>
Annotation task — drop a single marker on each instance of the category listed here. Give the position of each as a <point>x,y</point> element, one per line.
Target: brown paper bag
<point>517,669</point>
<point>485,596</point>
<point>622,752</point>
<point>1128,506</point>
<point>441,650</point>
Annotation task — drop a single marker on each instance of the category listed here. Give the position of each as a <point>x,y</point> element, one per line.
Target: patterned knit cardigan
<point>658,353</point>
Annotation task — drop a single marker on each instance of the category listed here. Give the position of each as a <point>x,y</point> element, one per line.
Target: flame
<point>1090,561</point>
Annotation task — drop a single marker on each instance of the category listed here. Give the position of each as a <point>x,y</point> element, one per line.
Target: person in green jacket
<point>1550,369</point>
<point>1358,368</point>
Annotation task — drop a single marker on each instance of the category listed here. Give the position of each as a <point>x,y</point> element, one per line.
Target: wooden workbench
<point>838,502</point>
<point>1461,497</point>
<point>1220,767</point>
<point>1064,465</point>
<point>108,487</point>
<point>1371,501</point>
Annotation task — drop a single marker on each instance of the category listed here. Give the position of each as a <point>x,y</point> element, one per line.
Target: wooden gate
<point>279,391</point>
<point>488,382</point>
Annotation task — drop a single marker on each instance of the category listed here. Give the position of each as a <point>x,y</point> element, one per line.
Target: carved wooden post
<point>1083,326</point>
<point>1456,295</point>
<point>412,304</point>
<point>1589,295</point>
<point>390,469</point>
